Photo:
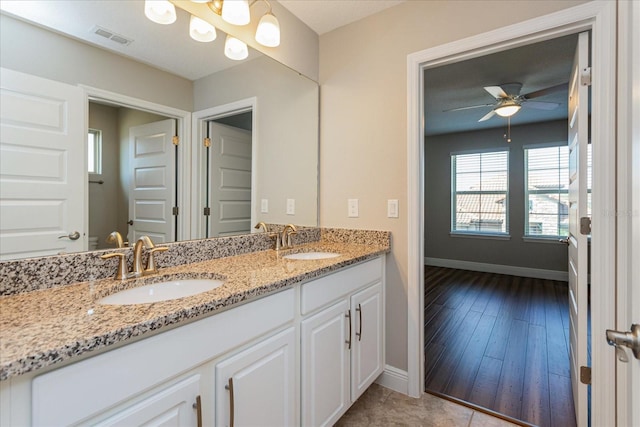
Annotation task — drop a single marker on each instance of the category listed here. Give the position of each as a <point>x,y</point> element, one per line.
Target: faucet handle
<point>151,261</point>
<point>122,272</point>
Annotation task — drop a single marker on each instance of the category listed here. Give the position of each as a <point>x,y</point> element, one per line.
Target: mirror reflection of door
<point>109,186</point>
<point>229,175</point>
<point>152,173</point>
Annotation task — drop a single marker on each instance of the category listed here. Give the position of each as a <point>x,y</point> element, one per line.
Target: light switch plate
<point>353,210</point>
<point>291,206</point>
<point>264,205</point>
<point>392,208</point>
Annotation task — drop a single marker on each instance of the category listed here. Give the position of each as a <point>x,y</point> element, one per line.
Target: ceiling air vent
<point>108,34</point>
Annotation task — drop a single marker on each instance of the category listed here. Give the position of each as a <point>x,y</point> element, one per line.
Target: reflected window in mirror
<point>94,151</point>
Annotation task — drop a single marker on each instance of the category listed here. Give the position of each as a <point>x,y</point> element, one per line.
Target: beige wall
<point>36,51</point>
<point>363,128</point>
<point>287,133</point>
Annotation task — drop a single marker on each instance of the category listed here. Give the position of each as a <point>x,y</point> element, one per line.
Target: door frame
<point>199,119</point>
<point>600,18</point>
<point>183,130</point>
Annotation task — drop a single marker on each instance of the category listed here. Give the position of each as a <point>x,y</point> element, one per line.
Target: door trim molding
<point>599,17</point>
<point>183,129</point>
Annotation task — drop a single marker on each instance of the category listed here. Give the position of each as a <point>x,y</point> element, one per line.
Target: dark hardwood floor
<point>499,342</point>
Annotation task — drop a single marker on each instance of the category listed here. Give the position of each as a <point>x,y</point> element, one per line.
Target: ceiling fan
<point>509,100</point>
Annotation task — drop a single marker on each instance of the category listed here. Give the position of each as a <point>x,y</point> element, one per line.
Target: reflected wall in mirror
<point>284,132</point>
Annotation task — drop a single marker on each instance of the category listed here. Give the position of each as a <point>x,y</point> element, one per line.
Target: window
<point>480,193</point>
<point>94,151</point>
<point>547,191</point>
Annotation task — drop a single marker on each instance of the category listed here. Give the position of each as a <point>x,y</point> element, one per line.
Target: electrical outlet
<point>353,211</point>
<point>291,206</point>
<point>264,205</point>
<point>392,208</point>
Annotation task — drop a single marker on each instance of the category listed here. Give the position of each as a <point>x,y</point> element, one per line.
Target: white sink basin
<point>163,291</point>
<point>311,255</point>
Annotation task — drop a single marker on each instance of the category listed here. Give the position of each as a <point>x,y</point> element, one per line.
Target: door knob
<point>71,236</point>
<point>629,339</point>
<point>130,222</point>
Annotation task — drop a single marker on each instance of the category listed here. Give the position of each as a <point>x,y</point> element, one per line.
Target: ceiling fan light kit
<point>236,12</point>
<point>507,109</point>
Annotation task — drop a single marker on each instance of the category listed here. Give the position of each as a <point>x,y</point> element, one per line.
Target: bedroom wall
<point>516,252</point>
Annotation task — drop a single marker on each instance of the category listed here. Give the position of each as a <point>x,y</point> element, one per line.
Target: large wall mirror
<point>249,148</point>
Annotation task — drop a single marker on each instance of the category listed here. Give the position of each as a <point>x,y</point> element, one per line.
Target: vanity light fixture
<point>508,108</point>
<point>235,49</point>
<point>200,30</point>
<point>236,12</point>
<point>160,11</point>
<point>268,32</point>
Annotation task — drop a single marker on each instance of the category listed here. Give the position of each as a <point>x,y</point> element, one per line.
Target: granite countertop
<point>45,327</point>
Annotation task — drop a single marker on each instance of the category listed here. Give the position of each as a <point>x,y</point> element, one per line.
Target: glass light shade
<point>507,110</point>
<point>160,11</point>
<point>201,30</point>
<point>236,12</point>
<point>268,32</point>
<point>235,49</point>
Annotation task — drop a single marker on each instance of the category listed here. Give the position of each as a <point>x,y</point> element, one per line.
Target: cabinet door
<point>325,365</point>
<point>173,406</point>
<point>257,387</point>
<point>367,354</point>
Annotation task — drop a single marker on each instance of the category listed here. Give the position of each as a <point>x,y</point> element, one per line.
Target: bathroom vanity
<point>282,342</point>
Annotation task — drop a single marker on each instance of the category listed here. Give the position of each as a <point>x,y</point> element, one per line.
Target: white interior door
<point>153,181</point>
<point>578,287</point>
<point>43,173</point>
<point>230,195</point>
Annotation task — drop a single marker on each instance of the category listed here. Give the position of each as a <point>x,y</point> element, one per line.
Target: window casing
<point>546,192</point>
<point>94,152</point>
<point>480,193</point>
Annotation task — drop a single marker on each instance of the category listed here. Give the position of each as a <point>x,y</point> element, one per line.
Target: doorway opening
<point>140,189</point>
<point>496,298</point>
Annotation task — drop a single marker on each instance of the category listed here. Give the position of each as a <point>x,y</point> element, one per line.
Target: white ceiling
<point>323,16</point>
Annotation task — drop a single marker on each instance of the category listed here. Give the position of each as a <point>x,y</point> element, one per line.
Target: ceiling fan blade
<point>487,116</point>
<point>539,105</point>
<point>496,91</point>
<point>546,91</point>
<point>467,108</point>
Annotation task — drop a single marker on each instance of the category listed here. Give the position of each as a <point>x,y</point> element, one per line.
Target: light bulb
<point>160,11</point>
<point>235,49</point>
<point>268,32</point>
<point>201,30</point>
<point>236,12</point>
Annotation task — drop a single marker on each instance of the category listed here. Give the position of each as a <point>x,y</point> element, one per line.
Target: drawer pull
<point>198,407</point>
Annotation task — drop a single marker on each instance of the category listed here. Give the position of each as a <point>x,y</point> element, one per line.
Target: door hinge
<point>585,225</point>
<point>175,140</point>
<point>207,142</point>
<point>175,210</point>
<point>585,374</point>
<point>585,77</point>
<point>207,211</point>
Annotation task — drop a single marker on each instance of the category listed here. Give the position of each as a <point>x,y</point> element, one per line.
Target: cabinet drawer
<point>323,291</point>
<point>75,392</point>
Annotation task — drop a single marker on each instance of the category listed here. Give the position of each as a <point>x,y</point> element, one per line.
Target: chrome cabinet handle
<point>198,407</point>
<point>71,236</point>
<point>359,333</point>
<point>348,316</point>
<point>231,402</point>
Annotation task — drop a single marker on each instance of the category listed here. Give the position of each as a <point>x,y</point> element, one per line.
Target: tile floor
<point>380,406</point>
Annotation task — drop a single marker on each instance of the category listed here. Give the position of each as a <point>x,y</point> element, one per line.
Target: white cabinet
<point>177,405</point>
<point>342,344</point>
<point>258,386</point>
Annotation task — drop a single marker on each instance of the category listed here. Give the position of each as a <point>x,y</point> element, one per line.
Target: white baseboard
<point>537,273</point>
<point>394,379</point>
